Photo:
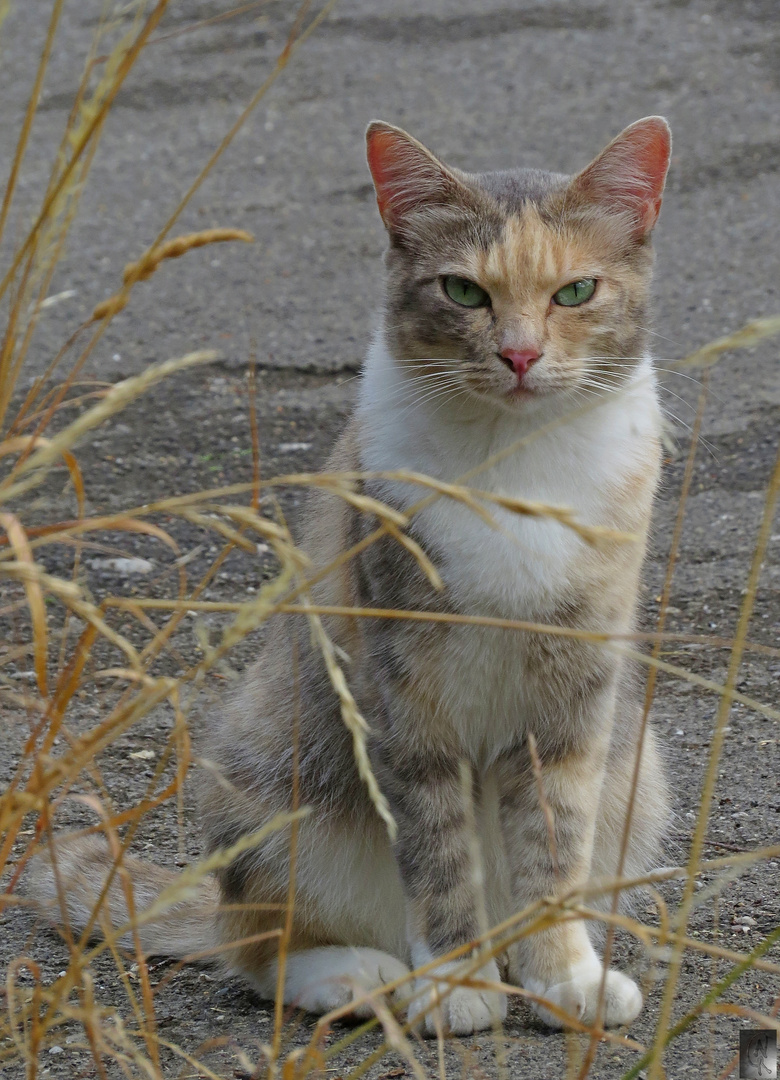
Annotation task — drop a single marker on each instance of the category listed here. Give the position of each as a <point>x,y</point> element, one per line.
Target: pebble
<point>124,566</point>
<point>291,447</point>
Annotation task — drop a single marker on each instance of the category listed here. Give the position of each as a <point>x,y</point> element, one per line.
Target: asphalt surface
<point>546,85</point>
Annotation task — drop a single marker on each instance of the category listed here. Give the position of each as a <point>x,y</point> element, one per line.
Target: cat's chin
<point>522,393</point>
<point>541,404</point>
<point>518,397</point>
<point>514,397</point>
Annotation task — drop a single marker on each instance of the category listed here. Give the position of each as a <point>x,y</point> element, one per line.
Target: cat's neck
<point>444,434</point>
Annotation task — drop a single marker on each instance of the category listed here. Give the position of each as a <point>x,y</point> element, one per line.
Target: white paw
<point>461,1011</point>
<point>373,969</point>
<point>324,997</point>
<point>579,995</point>
<point>328,978</point>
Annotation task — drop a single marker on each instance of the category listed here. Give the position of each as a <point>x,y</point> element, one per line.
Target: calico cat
<point>514,316</point>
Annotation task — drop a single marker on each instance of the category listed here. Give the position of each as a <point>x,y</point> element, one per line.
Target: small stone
<point>144,755</point>
<point>55,1049</point>
<point>124,566</point>
<point>292,447</point>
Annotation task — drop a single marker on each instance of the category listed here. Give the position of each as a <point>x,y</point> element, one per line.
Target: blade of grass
<point>32,106</point>
<point>662,1031</point>
<point>32,585</point>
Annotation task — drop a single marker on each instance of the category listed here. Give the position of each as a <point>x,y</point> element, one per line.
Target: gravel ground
<point>544,84</point>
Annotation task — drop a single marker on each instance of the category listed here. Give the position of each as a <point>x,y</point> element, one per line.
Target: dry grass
<point>92,648</point>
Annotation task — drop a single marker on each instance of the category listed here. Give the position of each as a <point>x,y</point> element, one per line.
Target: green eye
<point>465,292</point>
<point>576,292</point>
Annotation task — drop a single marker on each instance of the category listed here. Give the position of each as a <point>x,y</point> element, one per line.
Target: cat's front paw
<point>462,1010</point>
<point>579,995</point>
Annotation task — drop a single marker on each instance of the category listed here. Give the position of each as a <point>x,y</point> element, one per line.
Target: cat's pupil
<point>464,292</point>
<point>575,293</point>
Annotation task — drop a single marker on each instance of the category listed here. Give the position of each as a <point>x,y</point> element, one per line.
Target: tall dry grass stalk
<point>126,1039</point>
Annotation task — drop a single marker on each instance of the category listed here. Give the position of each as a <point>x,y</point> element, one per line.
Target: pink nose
<point>520,360</point>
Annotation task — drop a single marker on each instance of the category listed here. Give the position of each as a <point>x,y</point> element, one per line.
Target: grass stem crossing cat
<point>513,299</point>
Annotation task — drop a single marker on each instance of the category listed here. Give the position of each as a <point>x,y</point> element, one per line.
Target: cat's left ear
<point>406,175</point>
<point>628,177</point>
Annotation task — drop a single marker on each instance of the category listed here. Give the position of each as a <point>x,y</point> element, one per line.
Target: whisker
<point>428,395</point>
<point>625,363</point>
<point>602,384</point>
<point>707,445</point>
<point>407,393</point>
<point>453,397</point>
<point>682,374</point>
<point>411,379</point>
<point>655,333</point>
<point>593,385</point>
<point>416,380</point>
<point>666,390</point>
<point>627,360</point>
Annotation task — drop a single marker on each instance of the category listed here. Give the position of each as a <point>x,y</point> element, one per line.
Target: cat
<point>514,317</point>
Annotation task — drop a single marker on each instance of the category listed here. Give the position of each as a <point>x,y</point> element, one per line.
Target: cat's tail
<point>185,927</point>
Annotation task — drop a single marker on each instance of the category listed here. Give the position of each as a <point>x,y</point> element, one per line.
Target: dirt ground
<point>543,84</point>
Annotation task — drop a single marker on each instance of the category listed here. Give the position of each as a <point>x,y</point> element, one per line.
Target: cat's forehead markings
<point>528,254</point>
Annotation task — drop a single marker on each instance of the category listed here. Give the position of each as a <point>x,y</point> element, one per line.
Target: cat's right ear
<point>406,176</point>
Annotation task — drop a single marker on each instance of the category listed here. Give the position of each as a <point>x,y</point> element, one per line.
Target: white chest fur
<point>576,461</point>
<point>525,568</point>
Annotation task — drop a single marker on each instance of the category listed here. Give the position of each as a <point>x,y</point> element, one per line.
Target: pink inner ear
<point>405,174</point>
<point>631,172</point>
<point>385,160</point>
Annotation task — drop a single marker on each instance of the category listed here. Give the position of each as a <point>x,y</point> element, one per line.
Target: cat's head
<point>521,284</point>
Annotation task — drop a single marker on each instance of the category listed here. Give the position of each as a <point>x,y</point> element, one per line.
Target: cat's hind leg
<point>650,813</point>
<point>348,927</point>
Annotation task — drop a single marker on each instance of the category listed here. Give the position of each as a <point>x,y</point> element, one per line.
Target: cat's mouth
<point>521,390</point>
